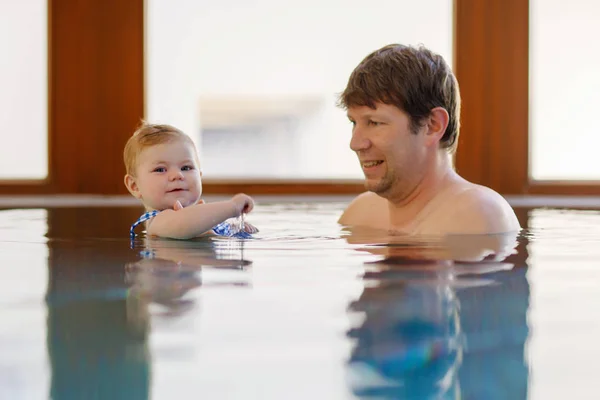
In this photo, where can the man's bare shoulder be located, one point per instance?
(484, 210)
(367, 209)
(484, 196)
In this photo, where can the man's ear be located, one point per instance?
(437, 123)
(132, 186)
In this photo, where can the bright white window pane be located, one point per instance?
(24, 93)
(255, 83)
(564, 87)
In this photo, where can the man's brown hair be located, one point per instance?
(414, 79)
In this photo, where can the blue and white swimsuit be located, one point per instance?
(222, 229)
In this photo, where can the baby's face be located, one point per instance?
(168, 172)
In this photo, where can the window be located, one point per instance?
(564, 86)
(255, 83)
(23, 98)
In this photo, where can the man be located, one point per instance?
(404, 105)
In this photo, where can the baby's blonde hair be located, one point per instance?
(148, 135)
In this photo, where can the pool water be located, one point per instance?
(305, 310)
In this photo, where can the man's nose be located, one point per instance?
(359, 141)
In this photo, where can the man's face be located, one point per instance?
(166, 173)
(392, 157)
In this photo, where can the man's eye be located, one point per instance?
(374, 123)
(187, 168)
(159, 169)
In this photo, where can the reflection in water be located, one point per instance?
(169, 269)
(427, 319)
(99, 316)
(443, 319)
(94, 351)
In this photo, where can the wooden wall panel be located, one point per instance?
(97, 90)
(491, 42)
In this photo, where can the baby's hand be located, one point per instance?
(249, 228)
(243, 203)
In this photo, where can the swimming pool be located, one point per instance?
(305, 310)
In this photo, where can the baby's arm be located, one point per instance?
(193, 221)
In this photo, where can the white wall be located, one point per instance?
(23, 89)
(275, 53)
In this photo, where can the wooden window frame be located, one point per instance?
(96, 74)
(492, 67)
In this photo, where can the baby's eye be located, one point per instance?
(159, 169)
(352, 122)
(187, 168)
